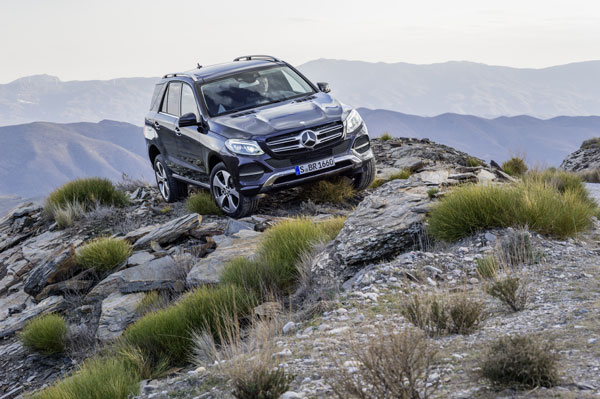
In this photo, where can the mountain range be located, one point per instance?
(35, 158)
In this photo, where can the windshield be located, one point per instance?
(251, 89)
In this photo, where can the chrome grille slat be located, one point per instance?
(325, 134)
(290, 147)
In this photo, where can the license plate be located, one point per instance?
(314, 166)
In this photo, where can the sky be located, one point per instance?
(84, 39)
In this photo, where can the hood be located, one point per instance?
(319, 109)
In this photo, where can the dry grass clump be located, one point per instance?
(512, 291)
(487, 267)
(402, 174)
(274, 270)
(515, 166)
(433, 192)
(45, 334)
(152, 302)
(473, 162)
(385, 137)
(103, 254)
(203, 203)
(521, 362)
(541, 205)
(334, 190)
(388, 366)
(438, 315)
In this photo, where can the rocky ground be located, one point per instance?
(586, 158)
(381, 249)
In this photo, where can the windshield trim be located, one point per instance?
(260, 68)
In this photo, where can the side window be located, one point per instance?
(163, 108)
(157, 90)
(173, 98)
(188, 101)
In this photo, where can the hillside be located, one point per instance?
(542, 141)
(463, 87)
(37, 157)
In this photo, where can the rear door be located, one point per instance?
(192, 144)
(167, 125)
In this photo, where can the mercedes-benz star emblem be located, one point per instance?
(308, 138)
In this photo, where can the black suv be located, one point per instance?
(248, 127)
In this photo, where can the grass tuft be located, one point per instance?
(437, 315)
(487, 267)
(473, 162)
(335, 190)
(541, 205)
(385, 137)
(203, 203)
(103, 254)
(432, 192)
(515, 166)
(274, 269)
(512, 291)
(45, 334)
(521, 362)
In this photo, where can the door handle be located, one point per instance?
(156, 125)
(177, 131)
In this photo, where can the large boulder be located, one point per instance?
(208, 270)
(384, 224)
(118, 311)
(586, 158)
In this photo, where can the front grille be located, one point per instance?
(291, 143)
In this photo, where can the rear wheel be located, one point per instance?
(364, 179)
(170, 189)
(232, 202)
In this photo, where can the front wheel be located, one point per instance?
(228, 198)
(364, 179)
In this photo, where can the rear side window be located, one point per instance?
(173, 99)
(155, 102)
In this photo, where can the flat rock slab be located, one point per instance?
(158, 274)
(15, 322)
(118, 311)
(56, 269)
(139, 258)
(208, 270)
(168, 232)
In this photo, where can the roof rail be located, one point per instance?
(188, 75)
(257, 57)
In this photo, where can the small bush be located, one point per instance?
(521, 361)
(385, 136)
(473, 162)
(335, 190)
(471, 208)
(166, 335)
(561, 181)
(377, 183)
(111, 377)
(515, 166)
(274, 268)
(487, 267)
(437, 315)
(432, 192)
(203, 203)
(261, 383)
(511, 291)
(103, 254)
(66, 215)
(88, 192)
(388, 366)
(45, 334)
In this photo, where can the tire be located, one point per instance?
(364, 179)
(228, 199)
(170, 188)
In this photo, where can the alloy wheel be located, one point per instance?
(162, 181)
(224, 191)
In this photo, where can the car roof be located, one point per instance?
(214, 71)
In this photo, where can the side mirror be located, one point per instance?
(188, 119)
(324, 87)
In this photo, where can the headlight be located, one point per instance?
(243, 147)
(353, 121)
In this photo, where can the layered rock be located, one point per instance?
(586, 158)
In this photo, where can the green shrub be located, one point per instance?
(274, 268)
(385, 137)
(335, 190)
(103, 254)
(45, 334)
(203, 203)
(538, 205)
(473, 162)
(487, 267)
(261, 383)
(152, 301)
(166, 335)
(403, 174)
(562, 181)
(88, 192)
(437, 315)
(515, 166)
(521, 361)
(432, 192)
(98, 378)
(511, 291)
